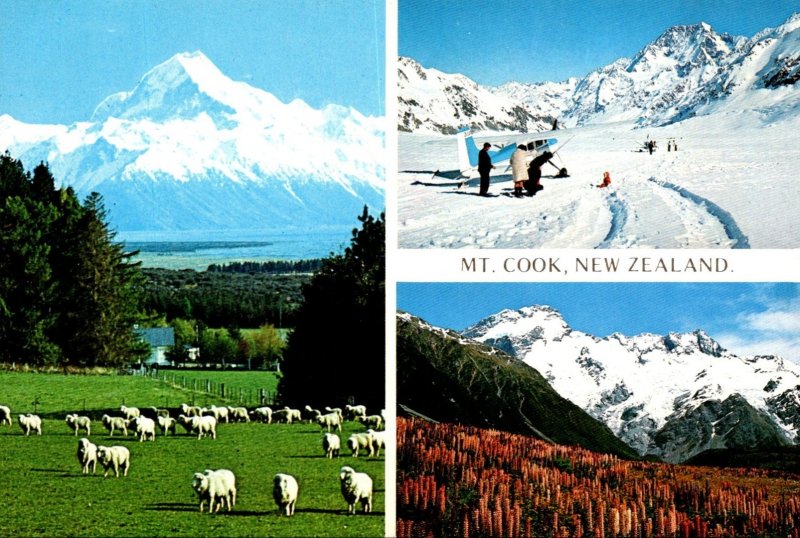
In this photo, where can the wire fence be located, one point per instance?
(208, 390)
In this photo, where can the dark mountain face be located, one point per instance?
(448, 379)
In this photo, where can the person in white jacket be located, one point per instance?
(519, 168)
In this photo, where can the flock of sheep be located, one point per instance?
(217, 488)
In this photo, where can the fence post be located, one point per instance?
(222, 390)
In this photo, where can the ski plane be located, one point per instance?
(468, 153)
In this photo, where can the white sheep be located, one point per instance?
(219, 413)
(5, 415)
(212, 486)
(87, 455)
(372, 421)
(378, 441)
(331, 444)
(293, 415)
(262, 414)
(129, 412)
(356, 487)
(79, 422)
(330, 420)
(355, 411)
(114, 457)
(239, 414)
(203, 426)
(145, 428)
(357, 441)
(115, 423)
(167, 424)
(190, 410)
(284, 491)
(30, 423)
(337, 410)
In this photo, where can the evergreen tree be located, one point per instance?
(102, 291)
(336, 352)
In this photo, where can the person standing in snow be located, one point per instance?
(533, 184)
(519, 168)
(484, 168)
(606, 181)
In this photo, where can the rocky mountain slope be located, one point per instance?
(672, 396)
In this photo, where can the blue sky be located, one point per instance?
(746, 318)
(533, 41)
(60, 59)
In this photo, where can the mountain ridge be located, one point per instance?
(648, 388)
(686, 71)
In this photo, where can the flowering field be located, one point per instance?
(464, 481)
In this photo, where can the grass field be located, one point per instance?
(45, 494)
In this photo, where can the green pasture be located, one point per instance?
(45, 494)
(56, 394)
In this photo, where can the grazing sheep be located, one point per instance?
(30, 423)
(114, 457)
(77, 423)
(239, 414)
(378, 441)
(190, 410)
(202, 426)
(87, 455)
(355, 411)
(330, 420)
(211, 486)
(372, 421)
(167, 424)
(219, 413)
(311, 414)
(356, 487)
(145, 429)
(331, 444)
(262, 414)
(5, 415)
(115, 423)
(337, 410)
(293, 415)
(129, 412)
(357, 441)
(284, 491)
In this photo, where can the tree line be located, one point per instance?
(218, 299)
(269, 267)
(68, 291)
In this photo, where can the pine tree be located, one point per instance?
(336, 352)
(102, 290)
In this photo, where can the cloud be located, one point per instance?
(773, 331)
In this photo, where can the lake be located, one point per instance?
(197, 249)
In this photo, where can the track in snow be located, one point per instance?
(740, 240)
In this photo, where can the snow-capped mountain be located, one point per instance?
(687, 71)
(190, 149)
(671, 395)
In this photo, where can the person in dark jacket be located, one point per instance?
(533, 185)
(484, 168)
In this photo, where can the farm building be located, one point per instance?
(160, 339)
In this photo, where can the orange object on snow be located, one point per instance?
(606, 180)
